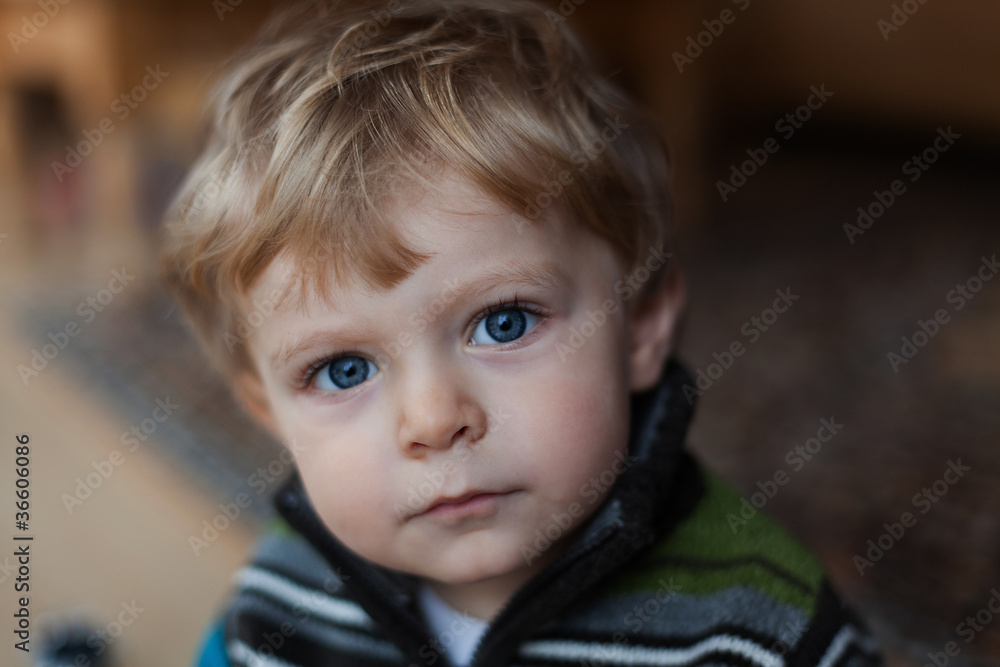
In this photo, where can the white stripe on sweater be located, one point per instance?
(847, 635)
(335, 610)
(246, 655)
(648, 655)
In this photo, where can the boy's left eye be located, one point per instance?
(503, 326)
(343, 373)
(498, 325)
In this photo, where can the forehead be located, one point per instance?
(476, 250)
(461, 230)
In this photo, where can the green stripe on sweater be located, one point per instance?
(703, 555)
(278, 526)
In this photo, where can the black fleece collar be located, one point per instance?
(660, 485)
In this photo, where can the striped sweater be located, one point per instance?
(656, 577)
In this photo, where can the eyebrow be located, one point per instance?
(542, 275)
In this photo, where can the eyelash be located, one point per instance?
(305, 377)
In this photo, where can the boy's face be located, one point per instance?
(439, 442)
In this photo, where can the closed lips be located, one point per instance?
(464, 498)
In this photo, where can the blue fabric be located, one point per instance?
(213, 648)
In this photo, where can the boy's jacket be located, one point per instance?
(666, 572)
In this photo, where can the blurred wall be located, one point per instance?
(705, 68)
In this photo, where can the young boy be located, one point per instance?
(425, 245)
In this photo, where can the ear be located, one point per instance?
(652, 328)
(251, 396)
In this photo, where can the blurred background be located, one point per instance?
(844, 153)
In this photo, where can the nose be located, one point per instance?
(437, 410)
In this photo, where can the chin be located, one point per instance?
(474, 567)
(458, 578)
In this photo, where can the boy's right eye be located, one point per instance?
(343, 372)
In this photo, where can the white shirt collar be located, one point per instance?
(456, 633)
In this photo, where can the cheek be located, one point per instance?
(342, 478)
(579, 422)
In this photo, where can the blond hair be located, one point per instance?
(319, 119)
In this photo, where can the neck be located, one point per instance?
(485, 598)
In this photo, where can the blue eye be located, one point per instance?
(346, 369)
(503, 326)
(344, 372)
